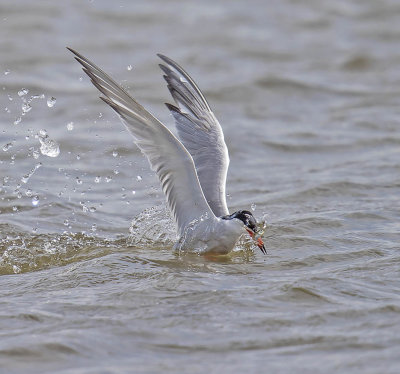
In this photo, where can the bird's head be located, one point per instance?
(250, 224)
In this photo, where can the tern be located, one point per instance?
(192, 170)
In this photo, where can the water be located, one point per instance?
(308, 96)
(51, 101)
(48, 147)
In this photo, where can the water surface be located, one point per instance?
(307, 93)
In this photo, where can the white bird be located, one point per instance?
(192, 171)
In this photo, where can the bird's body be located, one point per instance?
(210, 235)
(192, 170)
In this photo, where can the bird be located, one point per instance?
(192, 169)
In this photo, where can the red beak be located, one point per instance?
(260, 243)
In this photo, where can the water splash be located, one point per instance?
(51, 101)
(153, 226)
(25, 252)
(26, 107)
(35, 200)
(23, 92)
(48, 147)
(7, 146)
(26, 177)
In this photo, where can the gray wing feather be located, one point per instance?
(166, 154)
(200, 133)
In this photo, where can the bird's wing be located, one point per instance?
(201, 134)
(166, 154)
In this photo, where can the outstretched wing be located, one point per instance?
(201, 134)
(166, 154)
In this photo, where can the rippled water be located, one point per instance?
(308, 95)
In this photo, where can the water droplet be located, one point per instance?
(115, 154)
(10, 97)
(129, 67)
(48, 146)
(133, 192)
(14, 208)
(51, 101)
(7, 110)
(94, 227)
(26, 177)
(70, 126)
(17, 120)
(35, 200)
(80, 79)
(26, 107)
(92, 209)
(78, 157)
(41, 96)
(36, 154)
(253, 207)
(116, 172)
(28, 192)
(78, 181)
(16, 269)
(139, 178)
(97, 179)
(6, 72)
(66, 222)
(108, 179)
(7, 146)
(23, 92)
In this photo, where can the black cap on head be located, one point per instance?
(246, 217)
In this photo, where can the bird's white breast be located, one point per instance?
(214, 235)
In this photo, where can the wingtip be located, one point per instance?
(165, 59)
(72, 50)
